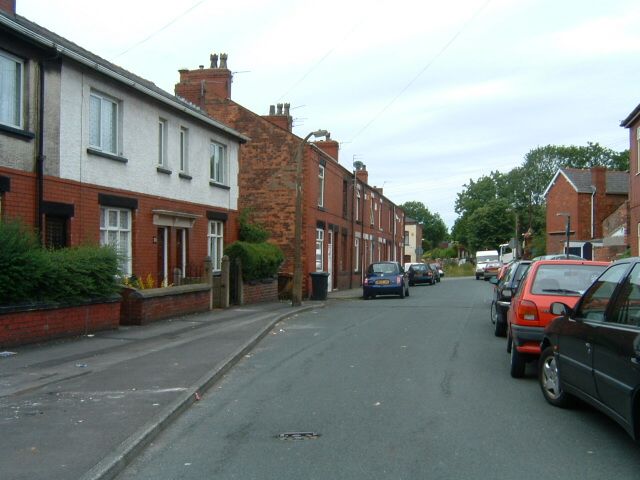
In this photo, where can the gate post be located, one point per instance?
(224, 282)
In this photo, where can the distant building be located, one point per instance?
(412, 241)
(595, 200)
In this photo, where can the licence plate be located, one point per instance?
(382, 282)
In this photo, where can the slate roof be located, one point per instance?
(49, 39)
(616, 182)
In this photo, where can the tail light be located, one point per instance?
(399, 280)
(528, 311)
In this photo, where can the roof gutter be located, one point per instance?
(118, 77)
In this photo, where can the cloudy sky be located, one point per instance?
(428, 94)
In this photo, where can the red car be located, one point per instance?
(547, 281)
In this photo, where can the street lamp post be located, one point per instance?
(568, 215)
(296, 294)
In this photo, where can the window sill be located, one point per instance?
(110, 156)
(164, 170)
(185, 176)
(219, 185)
(16, 132)
(321, 208)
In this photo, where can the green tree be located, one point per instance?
(490, 225)
(434, 230)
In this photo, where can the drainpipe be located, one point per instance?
(593, 193)
(40, 157)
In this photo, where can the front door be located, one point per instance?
(163, 255)
(330, 260)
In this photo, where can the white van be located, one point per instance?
(485, 258)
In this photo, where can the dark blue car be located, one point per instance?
(385, 278)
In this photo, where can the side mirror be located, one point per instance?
(493, 280)
(560, 309)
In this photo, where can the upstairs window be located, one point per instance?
(103, 123)
(218, 163)
(320, 186)
(184, 149)
(11, 91)
(162, 143)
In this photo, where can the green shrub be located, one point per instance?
(251, 232)
(259, 260)
(29, 272)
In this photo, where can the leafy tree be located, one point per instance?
(434, 230)
(490, 225)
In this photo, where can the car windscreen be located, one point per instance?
(487, 258)
(565, 279)
(387, 268)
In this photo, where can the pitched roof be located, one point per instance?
(48, 39)
(580, 179)
(631, 118)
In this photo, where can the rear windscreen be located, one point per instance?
(565, 279)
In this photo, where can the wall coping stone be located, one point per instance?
(169, 291)
(33, 306)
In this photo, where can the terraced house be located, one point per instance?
(346, 223)
(90, 152)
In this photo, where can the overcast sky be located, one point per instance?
(427, 94)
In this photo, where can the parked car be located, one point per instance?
(506, 284)
(438, 269)
(421, 273)
(546, 281)
(385, 278)
(483, 259)
(592, 351)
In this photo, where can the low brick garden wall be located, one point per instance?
(258, 292)
(140, 307)
(21, 325)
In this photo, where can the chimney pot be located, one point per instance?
(201, 67)
(223, 60)
(272, 109)
(214, 60)
(286, 109)
(279, 109)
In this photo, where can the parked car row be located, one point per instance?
(580, 321)
(391, 278)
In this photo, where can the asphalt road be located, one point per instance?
(387, 389)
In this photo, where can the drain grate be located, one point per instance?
(298, 436)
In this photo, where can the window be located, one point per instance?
(103, 123)
(406, 237)
(10, 91)
(380, 216)
(184, 149)
(319, 249)
(162, 143)
(182, 254)
(626, 309)
(115, 230)
(371, 218)
(55, 229)
(638, 149)
(356, 253)
(216, 238)
(597, 297)
(320, 186)
(218, 163)
(345, 196)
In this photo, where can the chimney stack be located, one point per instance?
(205, 84)
(8, 6)
(279, 116)
(330, 147)
(362, 174)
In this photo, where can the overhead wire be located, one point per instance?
(424, 69)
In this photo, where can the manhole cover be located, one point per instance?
(298, 436)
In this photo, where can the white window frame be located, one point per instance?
(320, 185)
(215, 241)
(162, 142)
(380, 217)
(184, 149)
(319, 249)
(356, 244)
(371, 217)
(11, 89)
(218, 163)
(104, 139)
(118, 234)
(638, 150)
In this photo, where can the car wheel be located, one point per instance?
(402, 292)
(477, 277)
(549, 379)
(518, 363)
(500, 326)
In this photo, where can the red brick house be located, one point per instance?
(595, 201)
(346, 222)
(632, 122)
